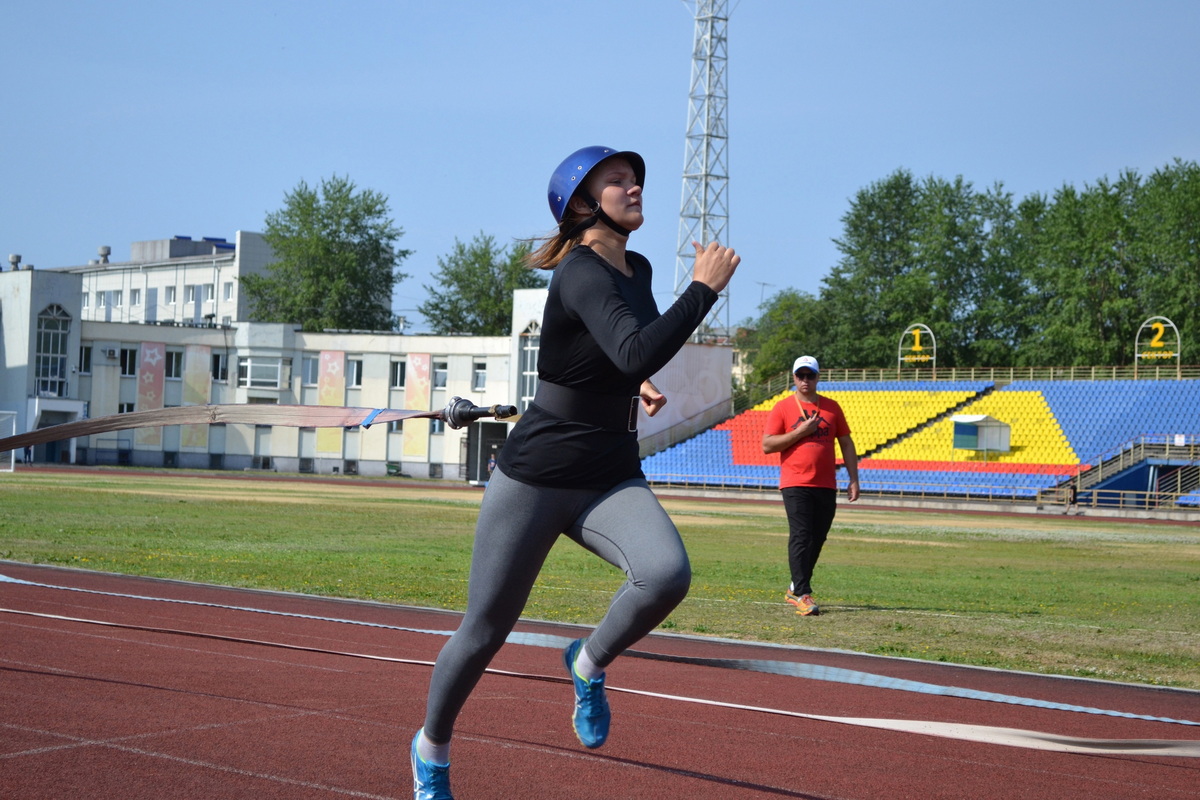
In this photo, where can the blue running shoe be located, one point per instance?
(430, 781)
(591, 706)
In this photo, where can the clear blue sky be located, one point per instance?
(128, 121)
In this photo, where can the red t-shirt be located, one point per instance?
(811, 461)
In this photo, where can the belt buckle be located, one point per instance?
(633, 413)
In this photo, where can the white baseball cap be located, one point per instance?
(806, 361)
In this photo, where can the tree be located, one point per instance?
(475, 287)
(999, 320)
(969, 271)
(336, 260)
(1169, 219)
(942, 286)
(873, 293)
(1062, 280)
(792, 324)
(1086, 274)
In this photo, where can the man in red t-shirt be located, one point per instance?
(802, 429)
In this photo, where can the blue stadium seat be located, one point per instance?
(1096, 417)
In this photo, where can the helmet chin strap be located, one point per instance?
(598, 215)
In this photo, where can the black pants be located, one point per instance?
(810, 514)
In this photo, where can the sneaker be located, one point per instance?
(430, 781)
(804, 604)
(591, 706)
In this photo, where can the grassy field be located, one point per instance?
(1070, 596)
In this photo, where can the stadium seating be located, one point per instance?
(1098, 416)
(904, 435)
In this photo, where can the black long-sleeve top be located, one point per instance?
(601, 333)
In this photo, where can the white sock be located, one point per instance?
(585, 667)
(432, 753)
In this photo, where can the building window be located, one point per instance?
(354, 372)
(170, 295)
(531, 340)
(396, 426)
(85, 359)
(259, 373)
(440, 370)
(210, 292)
(129, 362)
(228, 290)
(118, 298)
(135, 297)
(310, 370)
(100, 298)
(125, 408)
(437, 427)
(189, 293)
(87, 299)
(220, 367)
(398, 370)
(174, 366)
(479, 380)
(50, 367)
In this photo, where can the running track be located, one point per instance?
(212, 698)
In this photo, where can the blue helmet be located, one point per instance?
(575, 167)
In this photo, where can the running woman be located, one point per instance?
(570, 466)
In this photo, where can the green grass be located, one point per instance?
(1071, 596)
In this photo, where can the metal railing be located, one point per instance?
(1181, 447)
(1184, 480)
(1001, 495)
(1005, 375)
(749, 396)
(1122, 500)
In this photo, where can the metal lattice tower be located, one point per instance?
(703, 212)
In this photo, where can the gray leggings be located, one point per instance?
(518, 524)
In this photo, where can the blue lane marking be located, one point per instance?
(792, 669)
(819, 672)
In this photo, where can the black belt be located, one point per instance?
(601, 410)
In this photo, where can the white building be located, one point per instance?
(180, 281)
(169, 328)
